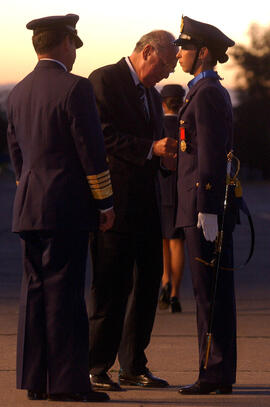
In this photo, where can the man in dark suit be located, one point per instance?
(64, 191)
(205, 139)
(131, 116)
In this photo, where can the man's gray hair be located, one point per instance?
(158, 39)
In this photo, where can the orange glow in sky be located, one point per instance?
(110, 29)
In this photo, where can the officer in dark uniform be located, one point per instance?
(173, 238)
(64, 191)
(205, 139)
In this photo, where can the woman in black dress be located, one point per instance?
(173, 239)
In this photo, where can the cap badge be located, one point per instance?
(182, 24)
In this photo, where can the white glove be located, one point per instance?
(209, 224)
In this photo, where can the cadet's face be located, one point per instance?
(186, 57)
(158, 66)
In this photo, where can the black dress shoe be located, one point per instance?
(175, 305)
(145, 379)
(206, 388)
(80, 397)
(164, 297)
(104, 382)
(36, 395)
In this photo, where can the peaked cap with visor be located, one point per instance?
(204, 35)
(65, 23)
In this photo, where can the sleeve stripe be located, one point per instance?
(99, 181)
(102, 193)
(98, 176)
(96, 180)
(100, 185)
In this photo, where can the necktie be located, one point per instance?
(142, 96)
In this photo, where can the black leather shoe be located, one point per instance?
(104, 382)
(164, 297)
(206, 388)
(80, 397)
(175, 305)
(36, 395)
(145, 379)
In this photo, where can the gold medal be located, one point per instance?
(183, 145)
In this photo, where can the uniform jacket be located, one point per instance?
(168, 182)
(128, 138)
(57, 150)
(206, 117)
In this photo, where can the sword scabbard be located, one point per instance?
(207, 353)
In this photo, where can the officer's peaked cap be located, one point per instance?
(172, 90)
(202, 34)
(65, 23)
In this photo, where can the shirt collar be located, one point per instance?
(132, 71)
(205, 74)
(55, 60)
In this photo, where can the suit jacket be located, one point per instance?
(128, 139)
(57, 149)
(206, 119)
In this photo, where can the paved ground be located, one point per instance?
(172, 353)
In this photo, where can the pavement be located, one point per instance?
(172, 353)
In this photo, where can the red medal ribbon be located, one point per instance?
(182, 133)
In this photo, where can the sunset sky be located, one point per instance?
(110, 29)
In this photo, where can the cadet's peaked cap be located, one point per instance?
(65, 23)
(202, 34)
(172, 90)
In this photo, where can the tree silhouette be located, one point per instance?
(252, 115)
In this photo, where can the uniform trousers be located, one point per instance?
(222, 360)
(124, 298)
(53, 338)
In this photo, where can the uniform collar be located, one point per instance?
(205, 74)
(55, 60)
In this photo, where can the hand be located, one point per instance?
(209, 224)
(166, 147)
(106, 220)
